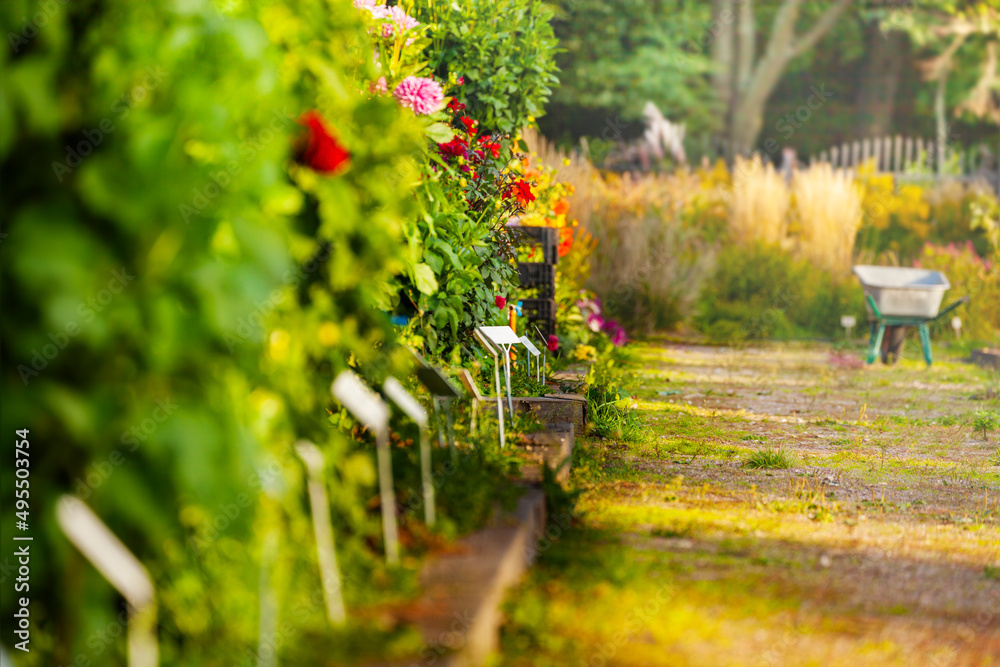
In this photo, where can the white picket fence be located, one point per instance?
(915, 158)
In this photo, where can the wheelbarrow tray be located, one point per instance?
(903, 292)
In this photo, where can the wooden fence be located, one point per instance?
(916, 159)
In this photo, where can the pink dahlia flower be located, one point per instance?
(379, 12)
(423, 95)
(401, 21)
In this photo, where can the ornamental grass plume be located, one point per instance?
(828, 212)
(760, 202)
(424, 96)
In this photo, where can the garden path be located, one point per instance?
(879, 545)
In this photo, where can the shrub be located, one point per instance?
(970, 276)
(504, 50)
(648, 265)
(985, 421)
(761, 291)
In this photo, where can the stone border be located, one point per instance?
(552, 447)
(463, 590)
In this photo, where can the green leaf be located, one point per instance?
(423, 278)
(439, 133)
(433, 260)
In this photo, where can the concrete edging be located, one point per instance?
(463, 590)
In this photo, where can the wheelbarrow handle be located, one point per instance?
(952, 307)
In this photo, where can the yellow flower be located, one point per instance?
(329, 334)
(278, 348)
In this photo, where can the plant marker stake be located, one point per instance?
(478, 335)
(267, 627)
(504, 338)
(446, 402)
(394, 389)
(267, 624)
(545, 348)
(437, 421)
(470, 385)
(372, 411)
(532, 352)
(323, 528)
(117, 564)
(442, 389)
(848, 322)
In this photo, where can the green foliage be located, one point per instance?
(504, 50)
(461, 247)
(617, 56)
(468, 486)
(157, 239)
(762, 292)
(611, 416)
(972, 277)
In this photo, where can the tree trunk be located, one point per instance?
(885, 54)
(755, 78)
(724, 55)
(941, 120)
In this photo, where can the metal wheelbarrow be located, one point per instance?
(898, 297)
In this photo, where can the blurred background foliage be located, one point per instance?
(178, 295)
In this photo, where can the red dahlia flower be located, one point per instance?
(492, 146)
(553, 343)
(457, 147)
(522, 190)
(323, 152)
(500, 302)
(470, 124)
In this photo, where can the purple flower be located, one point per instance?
(423, 95)
(618, 338)
(615, 332)
(595, 322)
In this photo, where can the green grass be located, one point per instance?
(611, 416)
(771, 457)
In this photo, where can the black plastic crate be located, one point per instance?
(546, 237)
(541, 312)
(536, 275)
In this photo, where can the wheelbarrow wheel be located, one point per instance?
(892, 344)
